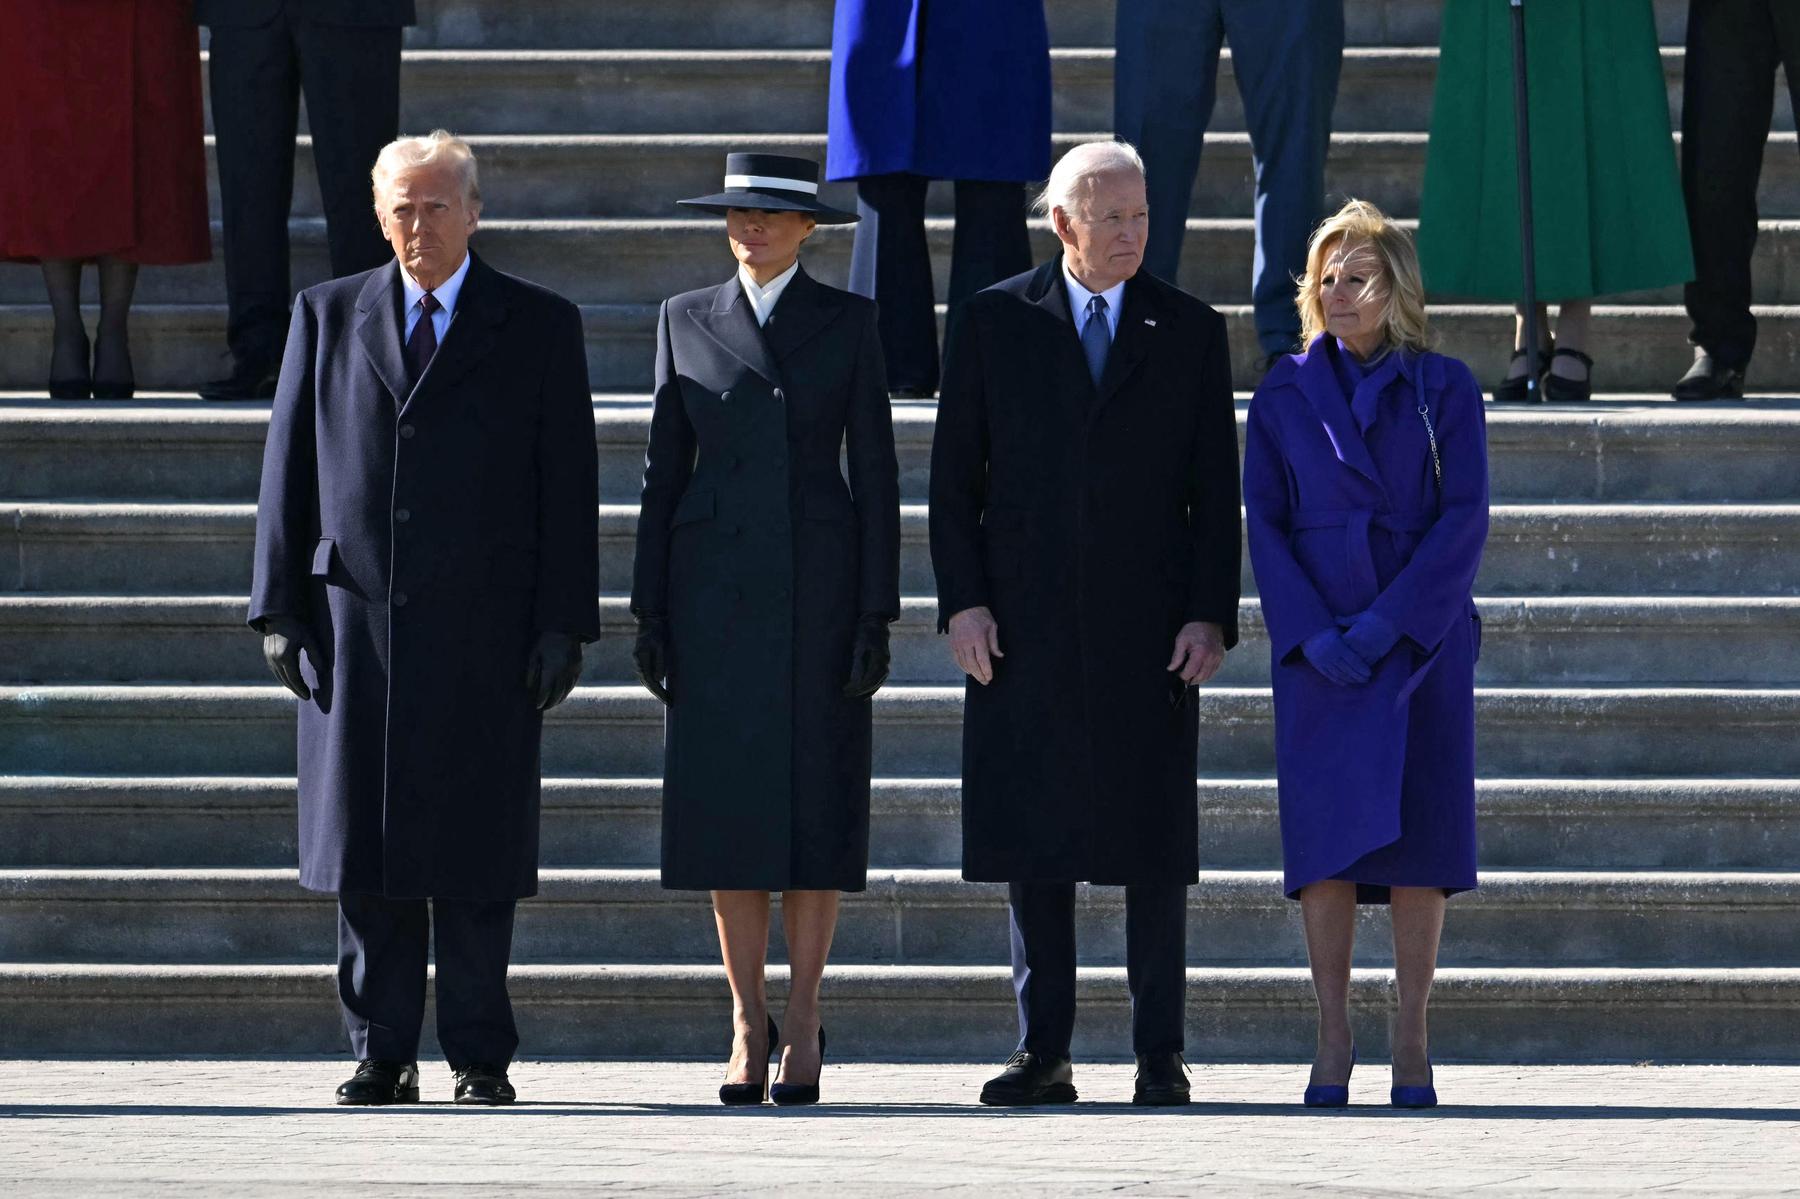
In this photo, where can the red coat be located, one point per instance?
(102, 137)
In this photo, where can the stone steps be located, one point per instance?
(1535, 640)
(1638, 348)
(910, 917)
(1560, 823)
(618, 731)
(1555, 549)
(951, 1013)
(629, 261)
(1633, 448)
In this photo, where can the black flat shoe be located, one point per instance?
(247, 381)
(1162, 1080)
(748, 1094)
(71, 389)
(1030, 1080)
(1709, 379)
(1558, 390)
(484, 1086)
(1515, 390)
(114, 390)
(378, 1083)
(795, 1094)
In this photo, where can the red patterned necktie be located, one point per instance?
(423, 342)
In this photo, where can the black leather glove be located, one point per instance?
(651, 654)
(553, 669)
(869, 659)
(283, 639)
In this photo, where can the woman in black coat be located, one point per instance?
(763, 589)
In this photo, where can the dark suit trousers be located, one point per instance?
(1286, 57)
(382, 946)
(890, 261)
(351, 79)
(1043, 963)
(1728, 98)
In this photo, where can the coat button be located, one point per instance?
(780, 396)
(399, 599)
(725, 396)
(402, 515)
(406, 432)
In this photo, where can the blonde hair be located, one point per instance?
(1359, 223)
(1072, 177)
(440, 145)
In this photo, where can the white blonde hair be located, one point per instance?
(440, 145)
(1072, 178)
(1356, 225)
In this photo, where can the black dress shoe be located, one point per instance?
(1708, 379)
(912, 393)
(1029, 1080)
(247, 381)
(1161, 1080)
(484, 1086)
(378, 1083)
(794, 1094)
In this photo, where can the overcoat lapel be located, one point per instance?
(1319, 384)
(731, 322)
(470, 335)
(805, 308)
(1136, 334)
(378, 329)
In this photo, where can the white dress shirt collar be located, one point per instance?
(1079, 296)
(764, 298)
(445, 293)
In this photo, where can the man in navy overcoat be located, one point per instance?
(1085, 535)
(427, 535)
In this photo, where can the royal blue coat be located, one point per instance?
(949, 89)
(1377, 781)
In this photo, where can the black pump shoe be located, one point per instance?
(379, 1083)
(747, 1094)
(1516, 390)
(1558, 390)
(795, 1094)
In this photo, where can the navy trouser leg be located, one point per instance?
(1287, 58)
(991, 239)
(1165, 78)
(890, 262)
(382, 949)
(1043, 965)
(1156, 965)
(474, 1012)
(351, 77)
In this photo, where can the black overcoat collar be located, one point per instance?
(805, 308)
(1142, 319)
(480, 308)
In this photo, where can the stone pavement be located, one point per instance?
(88, 1127)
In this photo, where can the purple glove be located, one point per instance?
(1371, 637)
(1333, 658)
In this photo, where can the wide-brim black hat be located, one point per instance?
(773, 182)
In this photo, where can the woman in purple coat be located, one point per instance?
(1366, 492)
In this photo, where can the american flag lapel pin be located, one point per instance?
(1150, 322)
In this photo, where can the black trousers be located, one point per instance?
(382, 946)
(1728, 98)
(1043, 964)
(351, 78)
(890, 261)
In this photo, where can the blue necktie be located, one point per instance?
(1096, 338)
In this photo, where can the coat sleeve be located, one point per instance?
(568, 582)
(959, 463)
(874, 479)
(1432, 590)
(668, 464)
(1291, 606)
(1213, 521)
(287, 527)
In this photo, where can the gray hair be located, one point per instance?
(1071, 179)
(437, 146)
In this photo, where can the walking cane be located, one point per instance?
(1522, 126)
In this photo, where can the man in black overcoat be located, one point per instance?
(1085, 535)
(344, 55)
(427, 535)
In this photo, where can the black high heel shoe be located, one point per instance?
(748, 1094)
(1558, 390)
(795, 1095)
(113, 389)
(75, 387)
(1515, 390)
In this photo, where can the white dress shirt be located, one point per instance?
(1079, 296)
(763, 299)
(444, 293)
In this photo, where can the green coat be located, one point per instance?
(1607, 206)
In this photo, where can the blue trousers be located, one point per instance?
(1286, 56)
(1043, 965)
(382, 950)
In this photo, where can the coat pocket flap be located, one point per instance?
(321, 559)
(695, 505)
